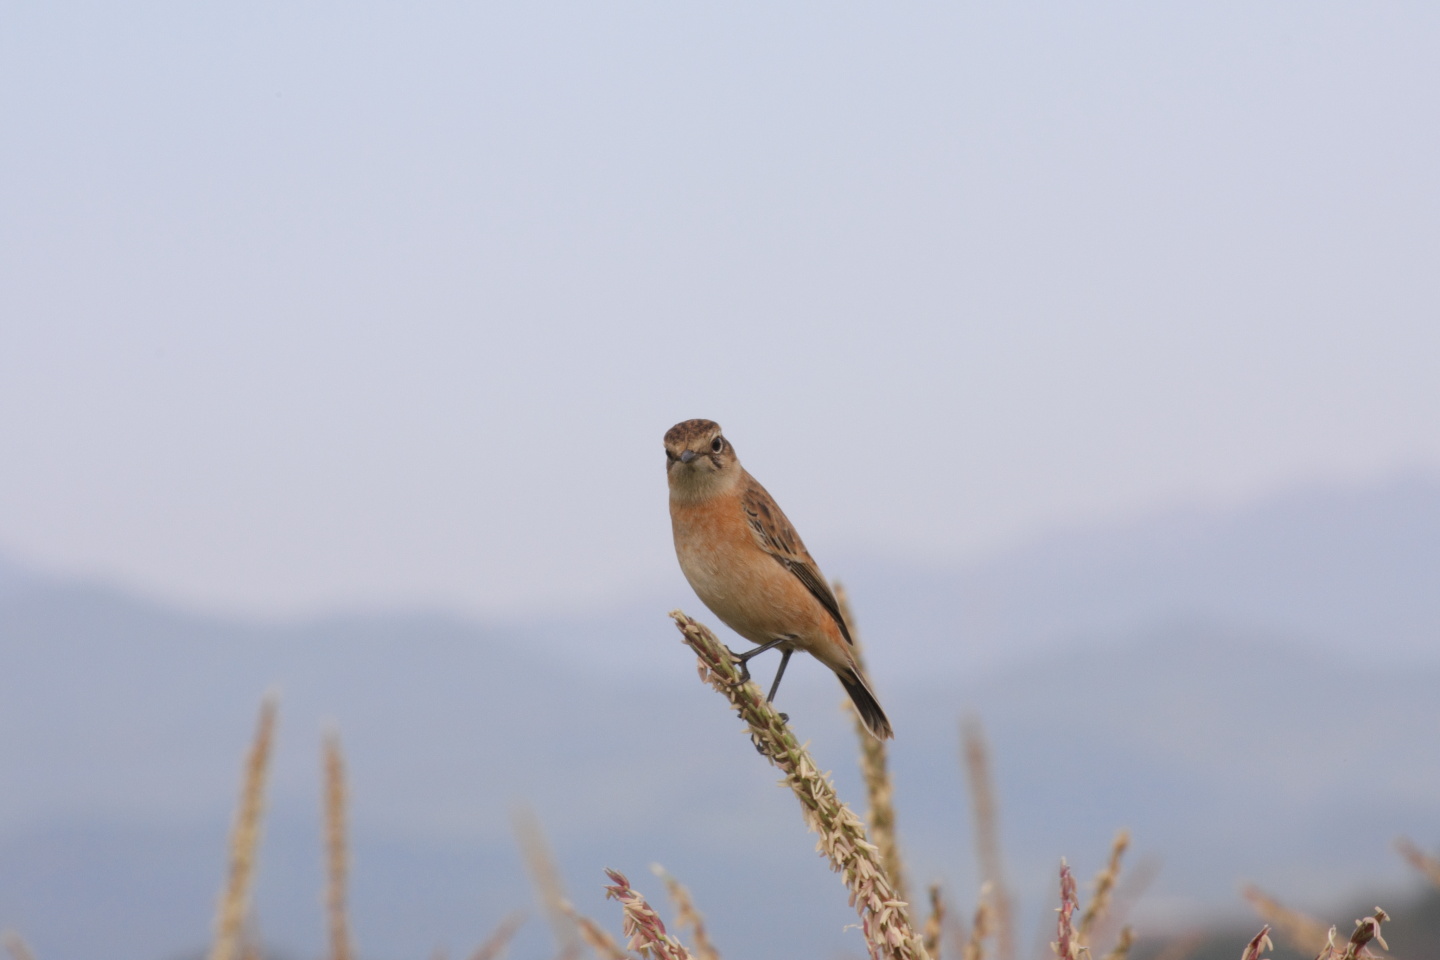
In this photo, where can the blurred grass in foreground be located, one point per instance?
(866, 854)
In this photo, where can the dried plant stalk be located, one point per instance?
(875, 768)
(987, 835)
(935, 923)
(884, 917)
(337, 850)
(686, 916)
(245, 839)
(1419, 859)
(1356, 948)
(1104, 887)
(595, 935)
(548, 886)
(643, 927)
(1121, 950)
(17, 947)
(983, 925)
(1258, 945)
(1128, 890)
(496, 943)
(1300, 930)
(1067, 944)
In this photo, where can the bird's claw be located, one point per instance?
(744, 663)
(759, 745)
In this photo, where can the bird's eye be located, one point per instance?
(670, 454)
(717, 444)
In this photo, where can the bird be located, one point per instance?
(746, 563)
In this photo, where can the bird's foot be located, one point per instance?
(744, 663)
(759, 746)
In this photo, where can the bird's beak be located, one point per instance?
(687, 456)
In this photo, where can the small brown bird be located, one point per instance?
(748, 565)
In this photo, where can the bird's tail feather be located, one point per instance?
(865, 704)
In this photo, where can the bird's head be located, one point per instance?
(698, 458)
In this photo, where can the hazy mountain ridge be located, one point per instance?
(1342, 567)
(1232, 751)
(1337, 567)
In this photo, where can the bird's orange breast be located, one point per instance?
(746, 587)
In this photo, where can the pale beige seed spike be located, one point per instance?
(885, 919)
(1104, 887)
(1121, 950)
(934, 924)
(1419, 859)
(595, 935)
(16, 946)
(643, 927)
(337, 850)
(987, 835)
(686, 916)
(545, 874)
(245, 839)
(982, 927)
(875, 769)
(496, 943)
(1299, 930)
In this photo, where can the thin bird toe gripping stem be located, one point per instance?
(744, 658)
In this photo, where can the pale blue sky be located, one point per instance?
(320, 305)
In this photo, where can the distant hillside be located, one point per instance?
(1234, 743)
(1345, 569)
(1342, 569)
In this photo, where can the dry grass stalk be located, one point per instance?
(337, 850)
(17, 947)
(1356, 948)
(1104, 887)
(643, 927)
(1300, 930)
(686, 916)
(884, 917)
(245, 840)
(875, 768)
(1128, 891)
(496, 943)
(983, 925)
(935, 923)
(1121, 950)
(1258, 945)
(987, 835)
(1419, 859)
(595, 935)
(545, 874)
(1067, 944)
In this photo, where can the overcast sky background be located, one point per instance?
(311, 306)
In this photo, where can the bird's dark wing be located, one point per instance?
(778, 538)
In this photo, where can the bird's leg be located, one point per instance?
(784, 659)
(744, 658)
